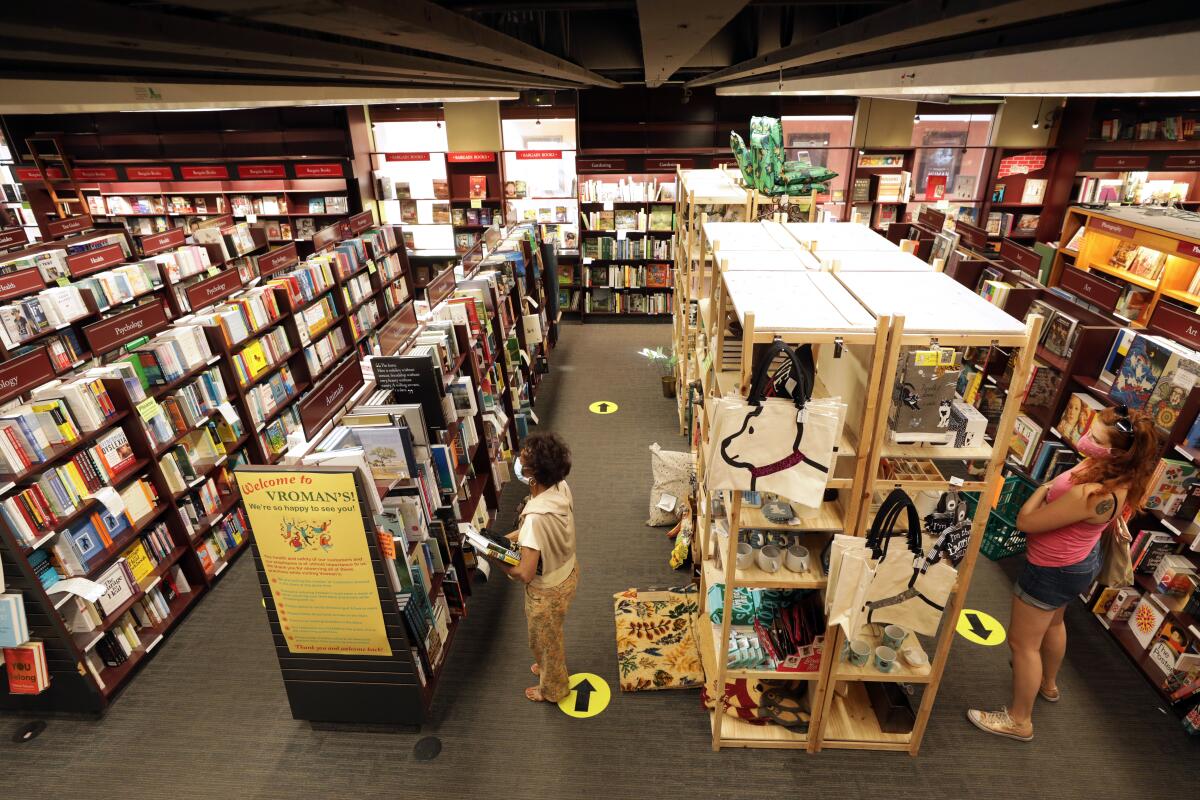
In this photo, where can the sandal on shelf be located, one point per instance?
(783, 708)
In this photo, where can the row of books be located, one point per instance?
(242, 316)
(122, 284)
(231, 241)
(1004, 224)
(29, 317)
(14, 627)
(609, 302)
(260, 355)
(605, 247)
(1171, 128)
(263, 399)
(1033, 192)
(628, 276)
(223, 538)
(325, 351)
(316, 319)
(306, 282)
(274, 437)
(461, 217)
(357, 289)
(660, 218)
(58, 413)
(170, 355)
(189, 406)
(626, 191)
(363, 320)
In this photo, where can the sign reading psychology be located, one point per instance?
(309, 533)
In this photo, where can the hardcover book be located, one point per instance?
(1140, 371)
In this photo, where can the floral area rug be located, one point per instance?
(656, 640)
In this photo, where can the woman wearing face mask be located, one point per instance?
(1063, 522)
(546, 535)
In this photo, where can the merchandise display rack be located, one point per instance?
(897, 306)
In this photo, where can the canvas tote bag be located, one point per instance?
(851, 573)
(1117, 567)
(775, 445)
(906, 590)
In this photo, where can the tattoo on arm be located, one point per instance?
(1104, 507)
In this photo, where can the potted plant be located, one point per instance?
(665, 362)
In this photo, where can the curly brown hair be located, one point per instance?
(1133, 461)
(546, 458)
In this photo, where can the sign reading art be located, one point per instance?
(309, 532)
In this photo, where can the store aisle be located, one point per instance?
(219, 668)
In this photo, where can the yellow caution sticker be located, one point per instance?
(980, 628)
(603, 407)
(589, 696)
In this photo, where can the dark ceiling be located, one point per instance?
(534, 43)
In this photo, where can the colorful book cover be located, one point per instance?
(1140, 371)
(1171, 392)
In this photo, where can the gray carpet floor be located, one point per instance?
(208, 717)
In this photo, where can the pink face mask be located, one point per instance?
(1090, 448)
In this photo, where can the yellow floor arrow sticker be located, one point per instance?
(603, 407)
(589, 696)
(980, 628)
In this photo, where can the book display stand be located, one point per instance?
(857, 321)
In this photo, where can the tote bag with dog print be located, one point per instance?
(774, 445)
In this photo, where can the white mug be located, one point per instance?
(796, 558)
(745, 555)
(768, 558)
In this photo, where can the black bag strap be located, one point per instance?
(885, 522)
(802, 365)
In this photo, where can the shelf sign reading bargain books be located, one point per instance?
(163, 173)
(25, 373)
(306, 170)
(539, 155)
(207, 172)
(322, 404)
(153, 245)
(214, 289)
(96, 173)
(470, 157)
(260, 171)
(109, 334)
(13, 237)
(90, 261)
(280, 258)
(407, 157)
(311, 539)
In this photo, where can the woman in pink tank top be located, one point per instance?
(1063, 522)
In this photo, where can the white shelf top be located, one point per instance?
(711, 186)
(768, 261)
(825, 236)
(796, 301)
(875, 261)
(742, 236)
(931, 302)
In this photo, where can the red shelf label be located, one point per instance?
(149, 173)
(600, 165)
(440, 287)
(91, 261)
(397, 330)
(25, 373)
(1176, 322)
(1099, 291)
(211, 172)
(152, 245)
(1189, 249)
(111, 333)
(214, 289)
(327, 236)
(539, 155)
(468, 157)
(96, 173)
(321, 404)
(21, 282)
(277, 259)
(12, 237)
(728, 161)
(61, 227)
(318, 170)
(361, 222)
(28, 173)
(668, 164)
(407, 157)
(253, 171)
(971, 235)
(1184, 162)
(1121, 162)
(1023, 258)
(1114, 228)
(931, 219)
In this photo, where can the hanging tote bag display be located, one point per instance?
(775, 445)
(851, 572)
(907, 590)
(1117, 566)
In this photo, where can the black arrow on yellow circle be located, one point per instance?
(583, 695)
(604, 408)
(977, 627)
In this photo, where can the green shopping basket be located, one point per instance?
(1001, 538)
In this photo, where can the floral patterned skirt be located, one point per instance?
(656, 640)
(545, 611)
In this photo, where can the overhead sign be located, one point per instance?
(407, 157)
(306, 170)
(260, 171)
(163, 173)
(207, 172)
(473, 157)
(539, 155)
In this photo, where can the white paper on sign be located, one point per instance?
(111, 499)
(88, 590)
(532, 303)
(228, 413)
(667, 502)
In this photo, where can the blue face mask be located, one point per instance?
(518, 471)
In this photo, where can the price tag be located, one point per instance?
(252, 218)
(955, 480)
(621, 235)
(371, 267)
(212, 271)
(62, 280)
(228, 413)
(148, 408)
(476, 203)
(608, 205)
(587, 260)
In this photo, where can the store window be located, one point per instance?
(540, 183)
(953, 147)
(822, 141)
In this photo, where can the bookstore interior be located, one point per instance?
(259, 310)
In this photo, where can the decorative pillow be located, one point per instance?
(656, 639)
(672, 476)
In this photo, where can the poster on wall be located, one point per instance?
(309, 532)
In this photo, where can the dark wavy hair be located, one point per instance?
(1133, 461)
(546, 458)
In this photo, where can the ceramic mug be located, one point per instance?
(858, 652)
(894, 636)
(796, 558)
(885, 658)
(769, 558)
(745, 555)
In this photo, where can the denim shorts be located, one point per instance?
(1051, 588)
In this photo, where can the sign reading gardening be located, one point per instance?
(308, 529)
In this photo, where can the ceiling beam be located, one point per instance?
(1156, 63)
(905, 24)
(673, 31)
(88, 23)
(416, 24)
